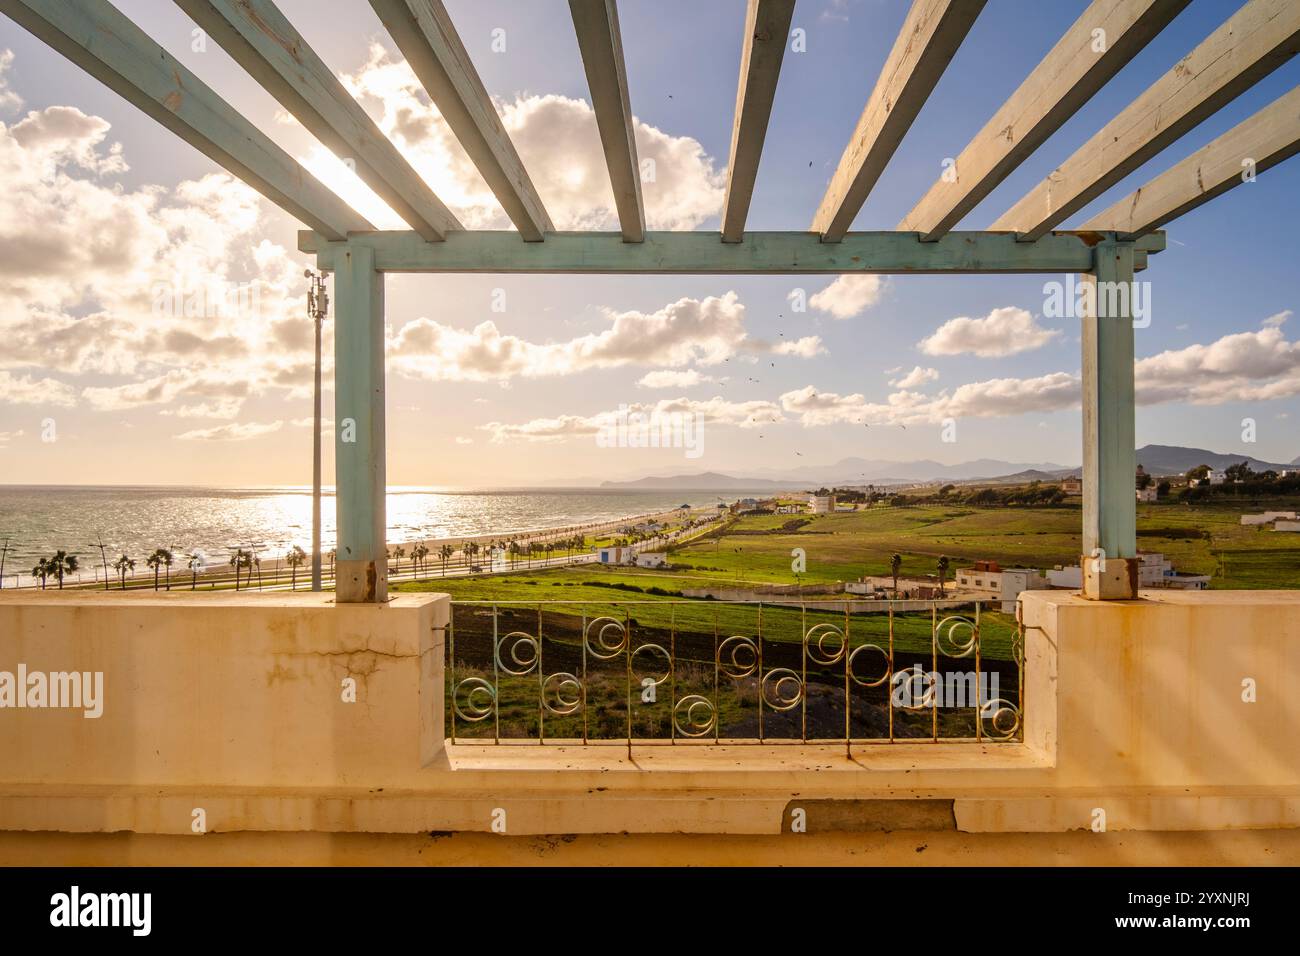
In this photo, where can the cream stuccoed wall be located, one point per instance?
(234, 704)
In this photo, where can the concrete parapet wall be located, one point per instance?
(235, 704)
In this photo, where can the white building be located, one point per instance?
(1015, 580)
(821, 504)
(1147, 494)
(615, 554)
(1267, 517)
(1286, 525)
(1217, 477)
(1070, 577)
(651, 559)
(1153, 572)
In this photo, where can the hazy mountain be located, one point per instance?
(1157, 459)
(1174, 459)
(875, 470)
(708, 480)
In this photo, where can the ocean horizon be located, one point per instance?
(135, 519)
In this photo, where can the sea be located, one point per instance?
(36, 521)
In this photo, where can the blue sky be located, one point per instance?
(128, 413)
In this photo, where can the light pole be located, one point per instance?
(318, 304)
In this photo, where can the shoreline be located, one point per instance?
(276, 568)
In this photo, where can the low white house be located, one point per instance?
(651, 559)
(1147, 494)
(1286, 525)
(615, 554)
(1267, 517)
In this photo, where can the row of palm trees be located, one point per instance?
(896, 565)
(512, 548)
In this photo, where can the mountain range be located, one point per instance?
(1156, 459)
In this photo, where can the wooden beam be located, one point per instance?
(423, 31)
(931, 34)
(601, 45)
(261, 40)
(1109, 458)
(1269, 137)
(767, 28)
(361, 561)
(1067, 78)
(702, 253)
(95, 36)
(1252, 43)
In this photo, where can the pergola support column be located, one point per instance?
(361, 564)
(1109, 561)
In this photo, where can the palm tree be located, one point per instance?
(943, 571)
(62, 563)
(239, 560)
(123, 565)
(514, 550)
(295, 559)
(445, 552)
(168, 557)
(471, 551)
(895, 565)
(399, 552)
(155, 561)
(418, 554)
(195, 563)
(42, 571)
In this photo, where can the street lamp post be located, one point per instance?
(318, 303)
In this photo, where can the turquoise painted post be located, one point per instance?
(361, 565)
(1109, 459)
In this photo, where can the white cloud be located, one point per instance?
(9, 100)
(667, 378)
(689, 331)
(1244, 366)
(917, 377)
(1005, 331)
(994, 398)
(1277, 320)
(558, 141)
(28, 390)
(235, 431)
(849, 295)
(716, 411)
(134, 285)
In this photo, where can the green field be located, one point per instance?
(1202, 538)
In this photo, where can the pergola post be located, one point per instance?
(361, 564)
(1109, 460)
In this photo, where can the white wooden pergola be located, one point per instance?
(1109, 248)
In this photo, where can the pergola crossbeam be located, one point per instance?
(1252, 43)
(262, 40)
(1269, 137)
(1079, 65)
(702, 253)
(97, 37)
(601, 45)
(931, 34)
(423, 31)
(767, 24)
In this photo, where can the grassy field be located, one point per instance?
(1204, 538)
(1198, 539)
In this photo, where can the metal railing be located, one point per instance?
(839, 672)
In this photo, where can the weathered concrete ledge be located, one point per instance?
(284, 714)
